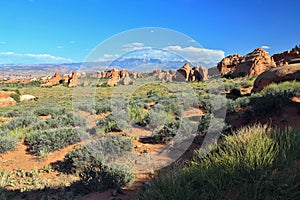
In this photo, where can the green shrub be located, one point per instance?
(86, 106)
(103, 150)
(20, 122)
(137, 114)
(166, 133)
(16, 97)
(68, 120)
(44, 111)
(108, 124)
(102, 177)
(7, 143)
(53, 139)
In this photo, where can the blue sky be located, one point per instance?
(40, 31)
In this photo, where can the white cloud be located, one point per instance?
(196, 54)
(108, 57)
(18, 58)
(59, 47)
(265, 47)
(1, 42)
(135, 46)
(192, 41)
(72, 42)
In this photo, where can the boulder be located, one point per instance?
(27, 97)
(276, 75)
(6, 99)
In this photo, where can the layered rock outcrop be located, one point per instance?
(73, 80)
(55, 80)
(251, 64)
(187, 73)
(286, 57)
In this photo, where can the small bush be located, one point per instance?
(102, 177)
(20, 122)
(166, 133)
(44, 111)
(68, 120)
(16, 97)
(53, 139)
(7, 143)
(103, 150)
(108, 124)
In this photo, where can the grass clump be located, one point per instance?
(255, 163)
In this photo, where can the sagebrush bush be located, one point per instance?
(7, 143)
(108, 124)
(166, 133)
(68, 120)
(44, 111)
(53, 139)
(101, 177)
(20, 122)
(102, 150)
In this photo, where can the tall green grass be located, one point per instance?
(254, 163)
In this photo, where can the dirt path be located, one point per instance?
(21, 159)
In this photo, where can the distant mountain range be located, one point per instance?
(133, 64)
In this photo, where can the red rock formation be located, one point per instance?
(123, 73)
(199, 74)
(114, 77)
(251, 64)
(66, 78)
(55, 80)
(286, 57)
(229, 64)
(277, 75)
(126, 80)
(73, 81)
(183, 74)
(25, 81)
(254, 64)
